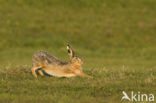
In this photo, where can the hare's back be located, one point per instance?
(44, 58)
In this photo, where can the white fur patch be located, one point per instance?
(67, 47)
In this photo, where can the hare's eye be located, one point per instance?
(79, 59)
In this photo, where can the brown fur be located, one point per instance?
(42, 60)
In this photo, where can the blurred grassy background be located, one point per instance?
(107, 34)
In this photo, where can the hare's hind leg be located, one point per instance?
(40, 72)
(34, 70)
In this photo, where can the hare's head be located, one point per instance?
(74, 59)
(76, 62)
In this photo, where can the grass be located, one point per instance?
(115, 39)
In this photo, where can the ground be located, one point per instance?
(115, 39)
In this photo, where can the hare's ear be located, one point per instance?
(70, 51)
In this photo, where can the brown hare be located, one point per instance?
(44, 62)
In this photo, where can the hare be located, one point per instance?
(43, 62)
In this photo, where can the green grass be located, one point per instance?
(115, 39)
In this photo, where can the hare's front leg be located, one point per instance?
(84, 75)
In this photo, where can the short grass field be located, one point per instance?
(116, 39)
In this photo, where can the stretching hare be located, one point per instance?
(44, 62)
